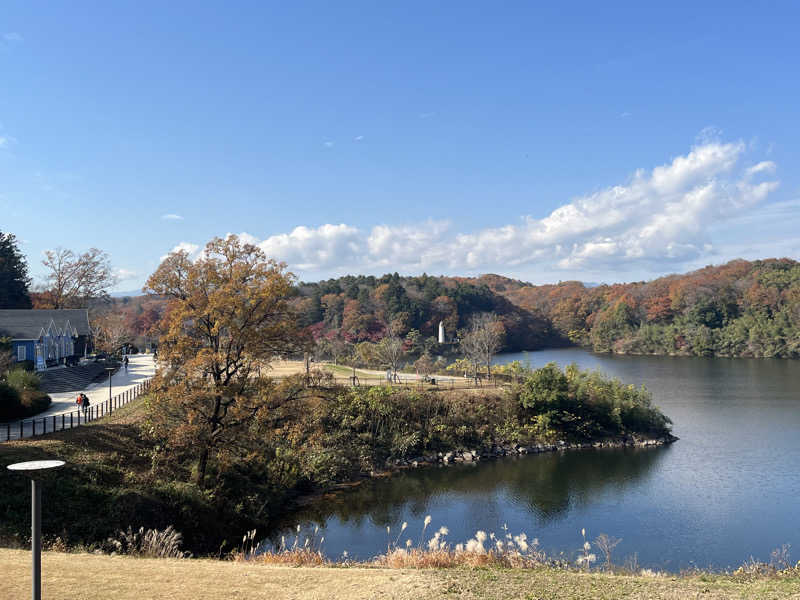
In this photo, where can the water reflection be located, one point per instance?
(547, 485)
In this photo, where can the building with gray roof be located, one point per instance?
(46, 337)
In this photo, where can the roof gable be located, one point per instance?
(22, 324)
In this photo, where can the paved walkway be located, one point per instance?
(140, 369)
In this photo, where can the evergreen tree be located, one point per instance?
(14, 280)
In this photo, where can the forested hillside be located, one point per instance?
(741, 308)
(366, 308)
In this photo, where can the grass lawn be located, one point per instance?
(345, 371)
(90, 577)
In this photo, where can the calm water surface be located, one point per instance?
(728, 490)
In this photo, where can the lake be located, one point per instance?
(727, 490)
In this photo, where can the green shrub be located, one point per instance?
(34, 402)
(15, 404)
(586, 405)
(22, 380)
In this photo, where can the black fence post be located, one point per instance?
(62, 421)
(20, 429)
(8, 431)
(34, 428)
(54, 422)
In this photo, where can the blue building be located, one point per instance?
(46, 337)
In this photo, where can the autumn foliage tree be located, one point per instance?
(228, 314)
(74, 279)
(390, 352)
(483, 340)
(111, 331)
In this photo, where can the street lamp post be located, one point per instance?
(110, 373)
(33, 468)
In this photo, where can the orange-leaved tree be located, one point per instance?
(228, 315)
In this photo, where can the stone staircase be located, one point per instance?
(72, 379)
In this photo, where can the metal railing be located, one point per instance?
(27, 428)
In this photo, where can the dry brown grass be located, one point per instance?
(282, 368)
(96, 577)
(436, 559)
(289, 558)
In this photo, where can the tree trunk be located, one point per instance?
(200, 478)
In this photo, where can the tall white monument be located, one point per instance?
(441, 332)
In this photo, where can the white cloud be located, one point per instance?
(171, 217)
(246, 238)
(12, 36)
(124, 274)
(328, 144)
(358, 138)
(657, 220)
(193, 250)
(311, 249)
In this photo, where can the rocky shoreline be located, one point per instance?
(498, 451)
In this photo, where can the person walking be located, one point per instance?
(125, 362)
(84, 405)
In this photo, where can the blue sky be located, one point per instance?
(576, 141)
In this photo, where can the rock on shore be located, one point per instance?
(470, 455)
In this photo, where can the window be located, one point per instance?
(21, 355)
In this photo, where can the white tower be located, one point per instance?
(441, 332)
